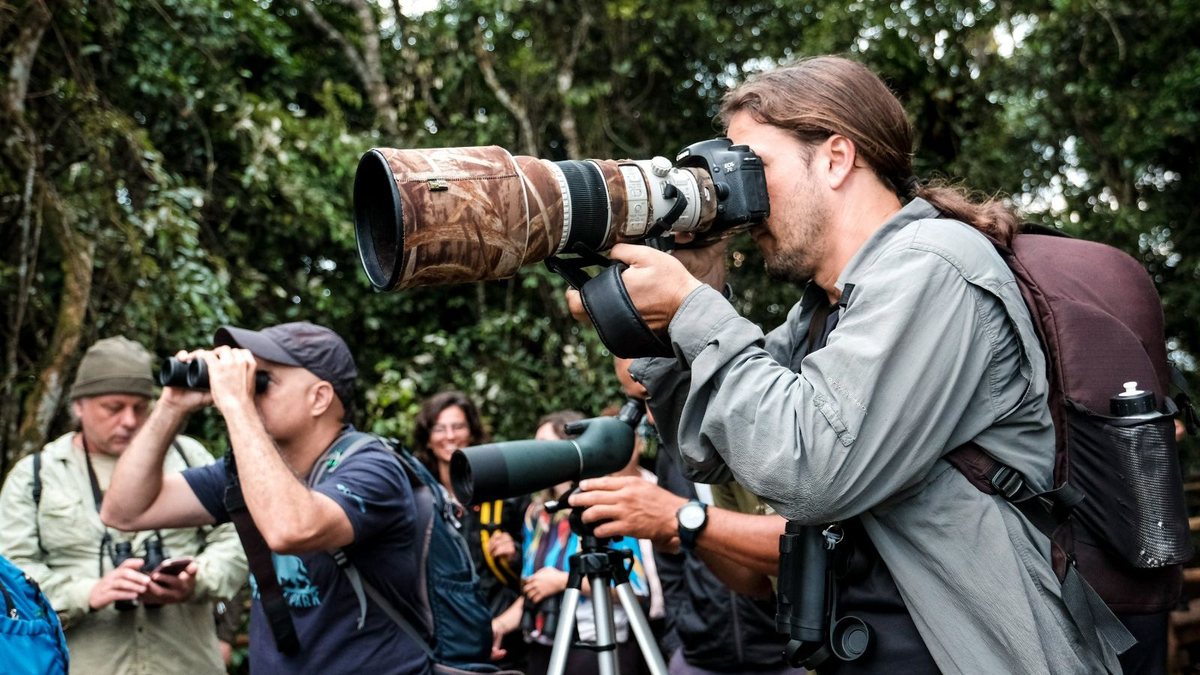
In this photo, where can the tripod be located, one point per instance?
(600, 564)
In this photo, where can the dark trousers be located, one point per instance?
(1149, 655)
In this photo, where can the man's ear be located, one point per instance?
(839, 154)
(320, 398)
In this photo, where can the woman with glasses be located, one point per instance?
(493, 530)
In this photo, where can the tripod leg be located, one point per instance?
(606, 632)
(565, 632)
(641, 630)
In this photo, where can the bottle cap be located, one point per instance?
(1132, 401)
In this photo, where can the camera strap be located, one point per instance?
(622, 329)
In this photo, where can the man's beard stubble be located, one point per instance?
(796, 259)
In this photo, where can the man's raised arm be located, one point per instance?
(139, 496)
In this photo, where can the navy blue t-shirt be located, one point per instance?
(372, 489)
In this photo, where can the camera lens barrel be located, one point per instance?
(454, 215)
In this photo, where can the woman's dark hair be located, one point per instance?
(559, 419)
(427, 418)
(821, 96)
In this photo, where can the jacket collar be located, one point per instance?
(917, 209)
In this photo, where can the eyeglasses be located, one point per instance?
(448, 428)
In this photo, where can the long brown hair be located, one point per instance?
(825, 95)
(427, 417)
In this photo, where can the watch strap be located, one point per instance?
(689, 535)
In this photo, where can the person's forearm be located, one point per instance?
(137, 479)
(748, 540)
(737, 577)
(283, 508)
(510, 619)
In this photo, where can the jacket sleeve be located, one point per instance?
(912, 348)
(222, 568)
(67, 592)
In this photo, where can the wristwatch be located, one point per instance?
(692, 517)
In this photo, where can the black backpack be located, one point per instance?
(1117, 512)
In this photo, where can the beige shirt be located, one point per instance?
(179, 638)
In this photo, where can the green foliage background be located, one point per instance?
(202, 153)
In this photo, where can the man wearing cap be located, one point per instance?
(277, 436)
(118, 618)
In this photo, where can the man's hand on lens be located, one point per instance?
(126, 582)
(230, 376)
(631, 506)
(181, 398)
(168, 589)
(656, 282)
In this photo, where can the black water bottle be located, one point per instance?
(123, 551)
(1132, 402)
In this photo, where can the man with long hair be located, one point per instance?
(911, 339)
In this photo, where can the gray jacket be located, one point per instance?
(934, 348)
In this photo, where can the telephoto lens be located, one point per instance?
(122, 551)
(454, 215)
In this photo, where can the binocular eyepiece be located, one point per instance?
(194, 375)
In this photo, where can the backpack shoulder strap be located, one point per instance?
(1046, 510)
(346, 445)
(35, 487)
(425, 503)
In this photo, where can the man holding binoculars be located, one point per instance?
(130, 601)
(305, 616)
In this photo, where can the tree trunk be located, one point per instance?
(22, 159)
(78, 252)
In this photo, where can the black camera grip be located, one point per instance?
(618, 322)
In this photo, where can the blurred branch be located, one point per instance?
(566, 80)
(366, 63)
(528, 142)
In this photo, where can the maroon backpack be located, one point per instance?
(1117, 511)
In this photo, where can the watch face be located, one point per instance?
(691, 515)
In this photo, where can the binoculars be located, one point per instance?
(123, 550)
(194, 375)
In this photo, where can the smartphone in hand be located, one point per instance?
(173, 566)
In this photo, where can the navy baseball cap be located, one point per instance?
(317, 349)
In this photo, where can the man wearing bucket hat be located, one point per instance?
(118, 616)
(312, 540)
